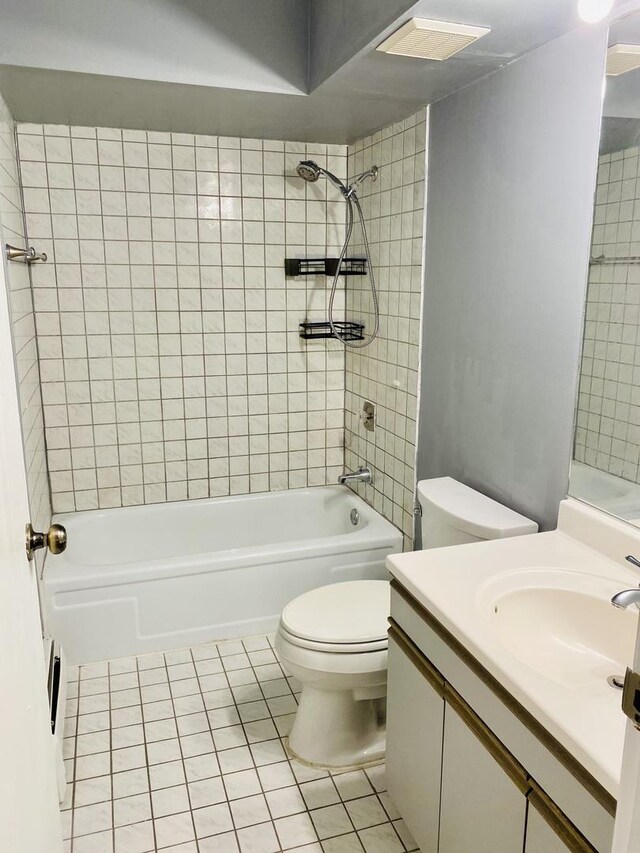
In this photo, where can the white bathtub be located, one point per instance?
(606, 491)
(149, 578)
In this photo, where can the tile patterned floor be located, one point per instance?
(182, 753)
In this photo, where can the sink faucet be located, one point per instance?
(628, 596)
(363, 474)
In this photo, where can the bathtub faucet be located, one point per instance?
(363, 474)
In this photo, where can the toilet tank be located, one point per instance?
(454, 514)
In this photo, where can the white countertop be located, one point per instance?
(459, 584)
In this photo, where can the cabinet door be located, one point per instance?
(482, 809)
(415, 719)
(549, 830)
(540, 837)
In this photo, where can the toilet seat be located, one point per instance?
(348, 617)
(333, 648)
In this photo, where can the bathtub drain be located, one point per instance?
(355, 516)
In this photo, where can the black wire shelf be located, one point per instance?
(348, 331)
(324, 266)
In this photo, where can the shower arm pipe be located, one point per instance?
(370, 173)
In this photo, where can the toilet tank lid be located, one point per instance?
(471, 511)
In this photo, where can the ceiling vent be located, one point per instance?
(425, 39)
(622, 58)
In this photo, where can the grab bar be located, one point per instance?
(25, 256)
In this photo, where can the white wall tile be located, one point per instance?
(166, 295)
(386, 372)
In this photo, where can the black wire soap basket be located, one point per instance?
(347, 330)
(324, 266)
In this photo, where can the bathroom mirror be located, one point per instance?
(605, 469)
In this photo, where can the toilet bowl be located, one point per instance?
(334, 641)
(334, 638)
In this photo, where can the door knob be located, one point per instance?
(55, 539)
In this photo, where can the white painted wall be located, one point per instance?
(257, 44)
(512, 167)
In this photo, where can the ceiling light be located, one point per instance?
(592, 11)
(424, 39)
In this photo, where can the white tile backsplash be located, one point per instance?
(168, 335)
(386, 372)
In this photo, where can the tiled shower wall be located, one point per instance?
(23, 327)
(171, 362)
(608, 418)
(386, 372)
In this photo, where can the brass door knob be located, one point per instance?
(55, 539)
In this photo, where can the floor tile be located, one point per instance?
(168, 801)
(212, 820)
(207, 792)
(320, 792)
(136, 838)
(381, 839)
(349, 843)
(94, 818)
(226, 842)
(352, 785)
(130, 782)
(166, 775)
(100, 842)
(174, 829)
(261, 838)
(295, 830)
(330, 821)
(133, 809)
(183, 752)
(285, 801)
(366, 811)
(249, 811)
(90, 791)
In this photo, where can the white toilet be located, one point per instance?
(334, 639)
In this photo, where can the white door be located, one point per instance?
(29, 815)
(626, 836)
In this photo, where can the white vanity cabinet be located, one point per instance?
(548, 830)
(415, 724)
(469, 770)
(483, 805)
(541, 838)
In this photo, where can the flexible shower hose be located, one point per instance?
(350, 200)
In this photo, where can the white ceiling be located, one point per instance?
(300, 69)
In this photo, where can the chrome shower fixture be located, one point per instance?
(310, 171)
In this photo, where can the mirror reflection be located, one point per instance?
(605, 469)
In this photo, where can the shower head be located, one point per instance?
(308, 170)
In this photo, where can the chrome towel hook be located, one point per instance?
(25, 256)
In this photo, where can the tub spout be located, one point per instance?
(363, 475)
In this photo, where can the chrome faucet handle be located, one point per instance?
(633, 560)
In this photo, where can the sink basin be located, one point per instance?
(562, 625)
